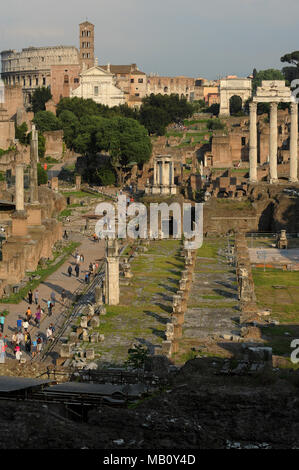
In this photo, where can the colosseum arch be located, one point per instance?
(229, 87)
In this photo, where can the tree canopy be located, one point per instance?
(40, 98)
(291, 72)
(46, 121)
(268, 74)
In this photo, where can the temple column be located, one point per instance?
(273, 143)
(33, 169)
(19, 188)
(155, 173)
(294, 144)
(19, 218)
(253, 143)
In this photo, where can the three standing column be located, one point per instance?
(294, 144)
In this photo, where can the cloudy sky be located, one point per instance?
(207, 38)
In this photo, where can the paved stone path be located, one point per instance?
(56, 282)
(213, 300)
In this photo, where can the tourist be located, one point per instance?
(87, 278)
(25, 325)
(20, 338)
(2, 350)
(49, 308)
(39, 343)
(37, 318)
(63, 296)
(18, 353)
(36, 296)
(28, 314)
(19, 324)
(34, 348)
(53, 298)
(77, 269)
(14, 341)
(81, 258)
(30, 295)
(65, 235)
(49, 334)
(2, 320)
(27, 339)
(78, 259)
(70, 270)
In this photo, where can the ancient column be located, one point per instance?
(294, 144)
(19, 188)
(33, 169)
(155, 173)
(273, 143)
(253, 143)
(112, 273)
(19, 217)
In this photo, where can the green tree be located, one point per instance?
(40, 98)
(46, 121)
(291, 72)
(42, 176)
(268, 74)
(21, 133)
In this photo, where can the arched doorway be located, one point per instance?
(235, 105)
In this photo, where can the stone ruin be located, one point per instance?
(282, 241)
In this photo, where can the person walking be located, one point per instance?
(2, 350)
(53, 298)
(2, 320)
(49, 308)
(37, 318)
(36, 296)
(25, 325)
(39, 343)
(81, 258)
(19, 324)
(49, 334)
(30, 296)
(27, 339)
(14, 341)
(28, 314)
(34, 348)
(77, 269)
(20, 338)
(18, 353)
(63, 296)
(70, 270)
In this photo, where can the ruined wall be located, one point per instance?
(13, 100)
(7, 134)
(54, 144)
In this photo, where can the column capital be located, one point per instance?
(273, 106)
(253, 106)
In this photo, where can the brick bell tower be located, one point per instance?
(86, 41)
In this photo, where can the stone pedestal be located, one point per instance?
(34, 214)
(54, 183)
(78, 182)
(19, 224)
